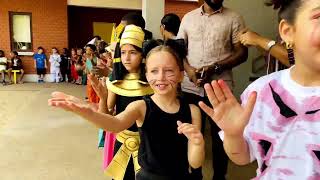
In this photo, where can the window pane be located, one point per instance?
(21, 28)
(21, 32)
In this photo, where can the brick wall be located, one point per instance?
(49, 25)
(180, 7)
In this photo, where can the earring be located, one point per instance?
(290, 53)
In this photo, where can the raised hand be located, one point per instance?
(100, 71)
(191, 72)
(192, 132)
(99, 86)
(71, 103)
(227, 112)
(203, 75)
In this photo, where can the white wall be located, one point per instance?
(259, 18)
(119, 4)
(153, 11)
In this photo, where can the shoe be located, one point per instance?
(39, 81)
(3, 83)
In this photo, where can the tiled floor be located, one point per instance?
(41, 143)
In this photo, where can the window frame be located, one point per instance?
(11, 14)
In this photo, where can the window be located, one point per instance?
(20, 31)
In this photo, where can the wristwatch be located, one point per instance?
(271, 44)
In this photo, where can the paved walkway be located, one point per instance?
(38, 142)
(41, 143)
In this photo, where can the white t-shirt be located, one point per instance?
(283, 133)
(3, 60)
(55, 60)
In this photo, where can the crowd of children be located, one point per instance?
(7, 66)
(64, 67)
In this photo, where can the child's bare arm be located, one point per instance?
(105, 121)
(111, 102)
(196, 151)
(103, 107)
(106, 105)
(237, 149)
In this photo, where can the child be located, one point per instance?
(55, 61)
(279, 123)
(126, 84)
(65, 65)
(3, 66)
(161, 118)
(169, 27)
(40, 63)
(91, 61)
(79, 66)
(16, 64)
(74, 57)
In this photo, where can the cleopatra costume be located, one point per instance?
(107, 139)
(129, 87)
(127, 142)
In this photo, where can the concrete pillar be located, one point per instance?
(153, 11)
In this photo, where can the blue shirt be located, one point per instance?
(40, 60)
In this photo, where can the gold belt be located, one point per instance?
(130, 145)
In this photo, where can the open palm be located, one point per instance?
(71, 103)
(227, 113)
